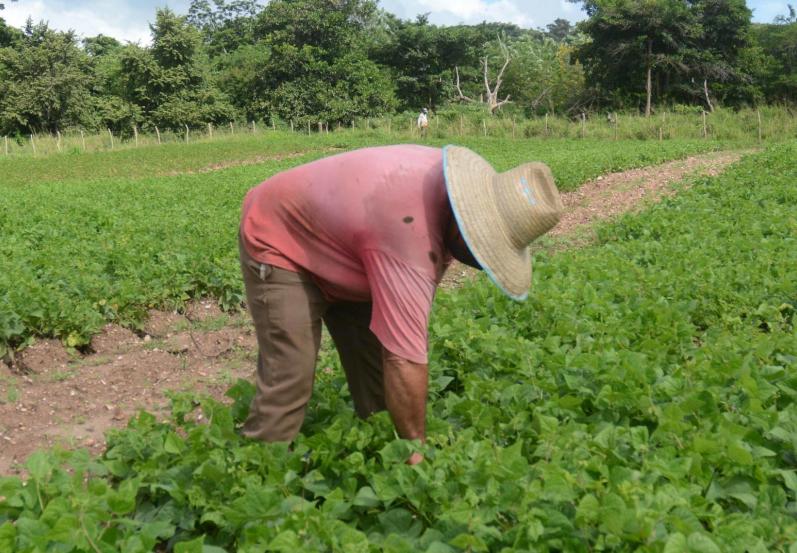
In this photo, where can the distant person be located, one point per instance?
(360, 241)
(423, 122)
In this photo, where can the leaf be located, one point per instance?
(469, 542)
(366, 498)
(39, 466)
(588, 509)
(173, 444)
(701, 543)
(8, 537)
(676, 543)
(789, 478)
(739, 454)
(286, 541)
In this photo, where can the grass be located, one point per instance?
(777, 123)
(260, 155)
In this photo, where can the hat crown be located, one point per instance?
(499, 215)
(528, 203)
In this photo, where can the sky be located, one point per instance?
(128, 20)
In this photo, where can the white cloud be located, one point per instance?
(114, 18)
(525, 13)
(476, 11)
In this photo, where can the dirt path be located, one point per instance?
(611, 195)
(72, 400)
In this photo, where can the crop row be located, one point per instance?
(641, 400)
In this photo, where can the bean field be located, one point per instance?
(641, 400)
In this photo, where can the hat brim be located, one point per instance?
(470, 184)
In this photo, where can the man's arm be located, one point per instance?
(406, 386)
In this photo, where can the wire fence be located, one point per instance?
(765, 124)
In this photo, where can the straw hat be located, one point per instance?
(500, 214)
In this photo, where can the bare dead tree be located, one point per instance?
(461, 97)
(491, 97)
(492, 93)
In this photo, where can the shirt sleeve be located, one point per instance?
(402, 301)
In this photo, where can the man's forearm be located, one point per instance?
(406, 385)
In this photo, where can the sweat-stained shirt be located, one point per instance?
(368, 225)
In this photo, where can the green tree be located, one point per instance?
(786, 19)
(541, 76)
(45, 81)
(560, 30)
(422, 58)
(225, 25)
(101, 45)
(8, 35)
(725, 33)
(779, 45)
(171, 83)
(634, 42)
(309, 64)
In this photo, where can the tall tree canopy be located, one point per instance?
(724, 34)
(309, 64)
(44, 82)
(634, 43)
(225, 25)
(170, 83)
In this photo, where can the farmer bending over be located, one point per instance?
(360, 241)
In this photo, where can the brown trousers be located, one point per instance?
(287, 309)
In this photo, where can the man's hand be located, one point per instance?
(406, 386)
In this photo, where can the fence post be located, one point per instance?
(320, 127)
(58, 140)
(210, 130)
(111, 135)
(546, 124)
(583, 124)
(83, 139)
(186, 133)
(291, 125)
(135, 133)
(254, 126)
(232, 128)
(705, 128)
(33, 144)
(157, 132)
(5, 138)
(760, 132)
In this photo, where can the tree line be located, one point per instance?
(304, 61)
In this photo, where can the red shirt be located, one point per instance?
(368, 225)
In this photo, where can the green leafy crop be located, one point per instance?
(641, 400)
(92, 247)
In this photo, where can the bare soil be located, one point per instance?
(71, 400)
